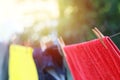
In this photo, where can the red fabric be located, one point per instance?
(92, 61)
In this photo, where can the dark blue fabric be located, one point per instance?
(47, 76)
(43, 61)
(4, 49)
(56, 57)
(49, 59)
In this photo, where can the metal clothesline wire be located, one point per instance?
(114, 35)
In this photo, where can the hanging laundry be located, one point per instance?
(92, 61)
(49, 64)
(57, 60)
(54, 53)
(113, 45)
(21, 64)
(42, 62)
(4, 52)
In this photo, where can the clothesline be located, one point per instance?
(114, 35)
(86, 61)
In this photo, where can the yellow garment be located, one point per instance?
(21, 64)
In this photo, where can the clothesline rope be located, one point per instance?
(114, 35)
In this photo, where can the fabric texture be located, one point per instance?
(42, 62)
(4, 49)
(57, 58)
(49, 63)
(21, 64)
(92, 61)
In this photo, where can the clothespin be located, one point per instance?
(42, 45)
(62, 44)
(99, 35)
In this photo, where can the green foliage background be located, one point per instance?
(78, 17)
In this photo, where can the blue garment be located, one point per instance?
(56, 57)
(43, 61)
(4, 49)
(49, 60)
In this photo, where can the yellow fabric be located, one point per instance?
(21, 64)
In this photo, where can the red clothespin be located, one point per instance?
(99, 35)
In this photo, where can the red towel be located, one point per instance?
(92, 61)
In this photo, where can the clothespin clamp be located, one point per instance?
(42, 45)
(62, 44)
(99, 35)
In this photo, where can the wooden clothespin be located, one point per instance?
(99, 35)
(43, 46)
(62, 44)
